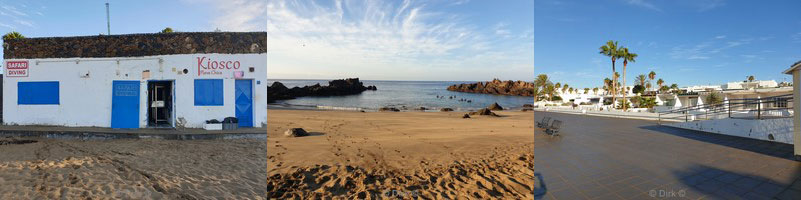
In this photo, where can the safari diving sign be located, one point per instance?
(17, 69)
(207, 66)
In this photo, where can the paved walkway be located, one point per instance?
(610, 158)
(109, 133)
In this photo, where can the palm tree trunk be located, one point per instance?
(624, 88)
(614, 84)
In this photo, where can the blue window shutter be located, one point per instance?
(38, 93)
(208, 92)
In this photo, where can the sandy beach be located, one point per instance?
(132, 169)
(375, 154)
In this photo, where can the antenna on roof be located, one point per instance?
(108, 20)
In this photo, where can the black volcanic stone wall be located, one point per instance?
(133, 45)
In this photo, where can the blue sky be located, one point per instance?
(400, 40)
(75, 18)
(688, 42)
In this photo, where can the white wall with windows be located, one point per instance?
(83, 88)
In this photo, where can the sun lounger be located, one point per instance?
(553, 129)
(544, 122)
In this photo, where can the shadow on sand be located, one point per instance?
(724, 184)
(775, 149)
(540, 190)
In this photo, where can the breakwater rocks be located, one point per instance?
(516, 88)
(340, 87)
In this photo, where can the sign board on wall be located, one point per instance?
(17, 69)
(209, 66)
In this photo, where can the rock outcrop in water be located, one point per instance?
(340, 87)
(516, 88)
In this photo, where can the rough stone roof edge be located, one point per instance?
(138, 34)
(10, 46)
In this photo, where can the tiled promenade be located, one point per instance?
(611, 158)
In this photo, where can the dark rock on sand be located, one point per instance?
(528, 106)
(421, 108)
(340, 87)
(484, 111)
(445, 109)
(389, 109)
(495, 106)
(517, 88)
(526, 109)
(466, 116)
(296, 132)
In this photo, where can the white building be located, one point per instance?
(136, 81)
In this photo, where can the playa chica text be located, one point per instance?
(207, 66)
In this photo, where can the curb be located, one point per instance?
(82, 135)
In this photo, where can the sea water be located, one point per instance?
(411, 94)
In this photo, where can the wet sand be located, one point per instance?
(376, 154)
(132, 169)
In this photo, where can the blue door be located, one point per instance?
(125, 104)
(244, 102)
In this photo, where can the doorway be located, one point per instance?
(160, 104)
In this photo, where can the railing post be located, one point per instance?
(686, 118)
(759, 110)
(729, 104)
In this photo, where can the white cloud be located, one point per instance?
(720, 37)
(13, 10)
(644, 4)
(24, 22)
(237, 15)
(7, 26)
(380, 40)
(706, 50)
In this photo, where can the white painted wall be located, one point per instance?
(86, 101)
(782, 129)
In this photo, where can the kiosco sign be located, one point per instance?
(207, 66)
(17, 69)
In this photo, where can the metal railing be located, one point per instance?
(780, 106)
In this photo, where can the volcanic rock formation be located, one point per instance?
(516, 88)
(340, 87)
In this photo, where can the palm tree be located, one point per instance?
(586, 90)
(558, 85)
(660, 82)
(627, 57)
(607, 85)
(541, 80)
(610, 50)
(641, 79)
(564, 88)
(751, 78)
(12, 35)
(595, 90)
(550, 90)
(651, 77)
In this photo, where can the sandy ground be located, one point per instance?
(380, 154)
(132, 169)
